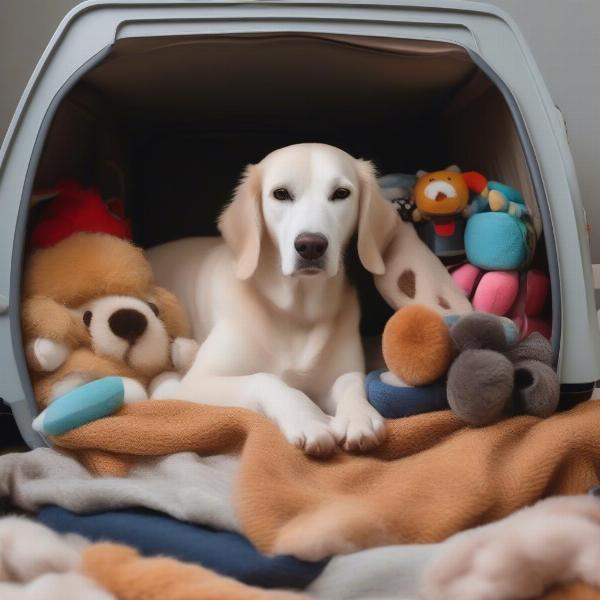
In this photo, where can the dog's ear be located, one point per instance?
(377, 220)
(241, 225)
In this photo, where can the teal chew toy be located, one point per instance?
(94, 400)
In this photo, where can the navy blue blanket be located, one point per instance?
(153, 533)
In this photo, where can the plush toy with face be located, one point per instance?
(441, 199)
(91, 311)
(440, 194)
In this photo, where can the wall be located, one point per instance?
(562, 34)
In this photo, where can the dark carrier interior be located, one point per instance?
(168, 124)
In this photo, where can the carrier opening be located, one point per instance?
(168, 123)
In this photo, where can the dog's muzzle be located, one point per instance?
(310, 249)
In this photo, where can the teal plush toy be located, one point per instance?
(89, 402)
(499, 235)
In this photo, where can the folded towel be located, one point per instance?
(432, 477)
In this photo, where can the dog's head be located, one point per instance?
(134, 330)
(308, 199)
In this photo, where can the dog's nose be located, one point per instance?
(128, 324)
(311, 245)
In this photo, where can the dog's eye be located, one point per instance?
(340, 194)
(281, 194)
(153, 308)
(87, 317)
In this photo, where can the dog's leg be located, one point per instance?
(300, 420)
(356, 424)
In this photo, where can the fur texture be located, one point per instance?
(38, 564)
(95, 274)
(416, 345)
(479, 330)
(279, 327)
(85, 266)
(480, 382)
(491, 379)
(555, 541)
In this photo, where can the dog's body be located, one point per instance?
(271, 306)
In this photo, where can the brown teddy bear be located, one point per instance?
(90, 309)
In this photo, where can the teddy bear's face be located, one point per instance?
(127, 329)
(441, 193)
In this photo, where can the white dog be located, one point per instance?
(277, 320)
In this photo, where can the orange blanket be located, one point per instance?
(127, 575)
(431, 478)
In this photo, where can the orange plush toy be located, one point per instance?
(441, 199)
(417, 347)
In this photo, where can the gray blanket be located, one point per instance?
(185, 486)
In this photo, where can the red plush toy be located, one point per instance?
(75, 208)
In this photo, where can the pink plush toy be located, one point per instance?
(527, 310)
(494, 292)
(506, 293)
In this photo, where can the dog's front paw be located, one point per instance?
(360, 430)
(46, 354)
(312, 434)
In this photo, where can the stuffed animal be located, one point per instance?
(474, 362)
(499, 235)
(441, 199)
(91, 310)
(492, 378)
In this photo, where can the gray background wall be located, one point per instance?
(563, 35)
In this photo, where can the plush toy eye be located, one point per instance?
(449, 178)
(87, 317)
(153, 308)
(340, 193)
(281, 194)
(432, 179)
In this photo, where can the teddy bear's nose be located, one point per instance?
(128, 324)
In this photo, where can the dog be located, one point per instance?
(276, 317)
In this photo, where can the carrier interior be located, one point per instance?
(168, 124)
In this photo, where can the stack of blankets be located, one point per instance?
(221, 488)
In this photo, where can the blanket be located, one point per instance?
(431, 478)
(184, 485)
(495, 560)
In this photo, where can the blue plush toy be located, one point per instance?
(89, 402)
(499, 235)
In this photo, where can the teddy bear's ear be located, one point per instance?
(453, 168)
(421, 173)
(170, 312)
